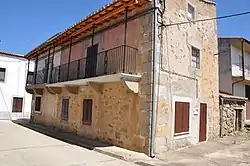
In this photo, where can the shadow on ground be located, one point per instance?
(69, 137)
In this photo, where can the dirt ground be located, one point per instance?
(227, 151)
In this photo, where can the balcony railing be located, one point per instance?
(122, 59)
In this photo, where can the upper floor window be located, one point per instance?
(2, 74)
(191, 12)
(195, 61)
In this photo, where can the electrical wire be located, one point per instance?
(208, 19)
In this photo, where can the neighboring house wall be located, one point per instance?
(179, 81)
(14, 86)
(225, 66)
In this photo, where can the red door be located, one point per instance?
(203, 122)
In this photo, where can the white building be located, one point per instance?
(15, 102)
(234, 68)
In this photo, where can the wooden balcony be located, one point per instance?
(122, 59)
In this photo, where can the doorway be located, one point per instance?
(91, 61)
(238, 120)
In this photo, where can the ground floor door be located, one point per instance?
(203, 123)
(238, 120)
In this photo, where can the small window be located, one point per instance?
(87, 111)
(2, 74)
(195, 57)
(38, 104)
(181, 118)
(191, 12)
(65, 109)
(17, 104)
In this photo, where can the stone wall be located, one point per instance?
(116, 117)
(229, 116)
(176, 77)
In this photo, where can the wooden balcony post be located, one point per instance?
(52, 64)
(47, 69)
(93, 35)
(69, 57)
(125, 39)
(35, 74)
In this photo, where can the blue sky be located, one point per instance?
(27, 23)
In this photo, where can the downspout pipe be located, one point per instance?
(153, 115)
(243, 65)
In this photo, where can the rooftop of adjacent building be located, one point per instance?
(12, 55)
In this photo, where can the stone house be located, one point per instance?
(129, 75)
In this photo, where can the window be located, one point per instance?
(181, 118)
(195, 57)
(2, 74)
(38, 104)
(191, 12)
(17, 104)
(87, 111)
(65, 109)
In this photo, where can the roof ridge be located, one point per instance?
(12, 54)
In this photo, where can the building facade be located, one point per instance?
(234, 71)
(15, 102)
(123, 77)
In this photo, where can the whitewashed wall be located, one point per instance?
(14, 86)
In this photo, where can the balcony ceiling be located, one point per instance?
(237, 42)
(101, 79)
(98, 18)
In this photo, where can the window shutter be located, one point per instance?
(87, 111)
(17, 104)
(185, 117)
(178, 117)
(181, 117)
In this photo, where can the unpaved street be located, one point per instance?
(23, 147)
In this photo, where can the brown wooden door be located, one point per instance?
(91, 61)
(203, 123)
